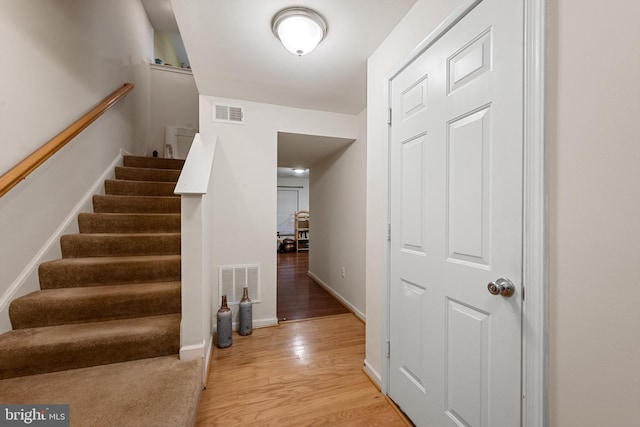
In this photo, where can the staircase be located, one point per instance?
(115, 294)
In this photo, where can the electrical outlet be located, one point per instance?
(343, 272)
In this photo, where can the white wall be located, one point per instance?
(174, 102)
(593, 142)
(412, 29)
(58, 60)
(245, 184)
(337, 238)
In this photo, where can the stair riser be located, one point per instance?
(139, 188)
(141, 174)
(133, 204)
(108, 223)
(53, 307)
(117, 345)
(55, 275)
(152, 162)
(92, 245)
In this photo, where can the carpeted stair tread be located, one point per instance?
(97, 271)
(147, 174)
(116, 294)
(152, 162)
(123, 187)
(135, 204)
(128, 223)
(52, 307)
(159, 391)
(119, 244)
(57, 348)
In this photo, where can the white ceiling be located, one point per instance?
(234, 54)
(304, 151)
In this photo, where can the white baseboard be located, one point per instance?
(265, 323)
(207, 360)
(193, 351)
(337, 296)
(28, 280)
(256, 323)
(372, 374)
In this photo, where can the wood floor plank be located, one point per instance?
(306, 373)
(299, 297)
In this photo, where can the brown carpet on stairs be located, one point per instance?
(115, 295)
(156, 392)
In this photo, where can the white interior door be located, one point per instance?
(456, 224)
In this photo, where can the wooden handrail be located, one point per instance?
(38, 157)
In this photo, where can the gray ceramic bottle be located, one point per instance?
(245, 314)
(224, 324)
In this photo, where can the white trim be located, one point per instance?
(193, 351)
(265, 323)
(386, 245)
(445, 25)
(339, 297)
(256, 323)
(535, 265)
(373, 375)
(199, 351)
(207, 361)
(31, 269)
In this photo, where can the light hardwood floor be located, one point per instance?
(303, 373)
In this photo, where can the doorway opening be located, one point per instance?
(299, 296)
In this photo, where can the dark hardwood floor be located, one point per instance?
(299, 297)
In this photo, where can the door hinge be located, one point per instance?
(389, 232)
(522, 292)
(388, 355)
(390, 116)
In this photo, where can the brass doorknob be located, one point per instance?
(502, 287)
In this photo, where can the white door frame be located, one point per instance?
(534, 265)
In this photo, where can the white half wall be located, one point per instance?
(337, 226)
(245, 184)
(59, 59)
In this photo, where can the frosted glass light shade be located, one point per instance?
(299, 29)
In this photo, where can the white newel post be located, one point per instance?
(192, 186)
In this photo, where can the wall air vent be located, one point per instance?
(228, 114)
(233, 278)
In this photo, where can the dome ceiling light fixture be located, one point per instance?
(300, 29)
